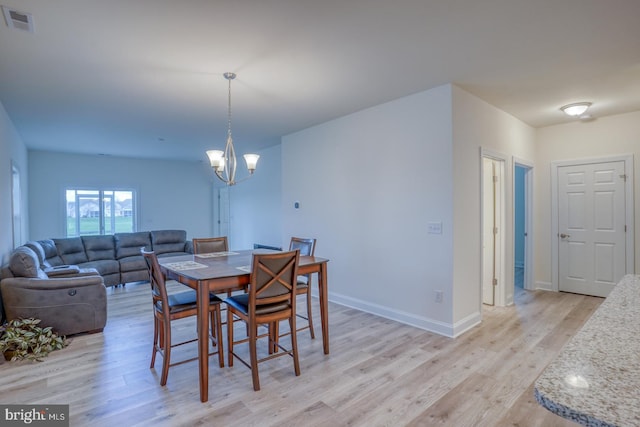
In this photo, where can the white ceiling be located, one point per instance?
(144, 78)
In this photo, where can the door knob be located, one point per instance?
(564, 236)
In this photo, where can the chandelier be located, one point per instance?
(224, 162)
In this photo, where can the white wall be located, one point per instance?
(256, 204)
(368, 184)
(605, 136)
(476, 125)
(11, 149)
(171, 194)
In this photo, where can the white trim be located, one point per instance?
(421, 322)
(629, 210)
(544, 286)
(462, 326)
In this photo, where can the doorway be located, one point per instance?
(522, 224)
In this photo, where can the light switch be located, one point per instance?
(434, 227)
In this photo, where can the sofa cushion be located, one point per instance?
(104, 266)
(109, 269)
(168, 241)
(99, 247)
(129, 244)
(71, 250)
(51, 257)
(24, 263)
(132, 263)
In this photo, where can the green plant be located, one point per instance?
(24, 339)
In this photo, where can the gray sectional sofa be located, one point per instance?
(116, 257)
(62, 281)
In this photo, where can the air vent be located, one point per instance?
(18, 20)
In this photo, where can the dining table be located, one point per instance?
(220, 272)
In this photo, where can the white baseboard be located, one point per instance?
(431, 325)
(462, 326)
(544, 286)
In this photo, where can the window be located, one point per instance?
(100, 212)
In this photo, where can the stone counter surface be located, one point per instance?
(595, 381)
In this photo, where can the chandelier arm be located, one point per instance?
(243, 179)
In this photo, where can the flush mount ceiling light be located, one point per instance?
(224, 162)
(576, 109)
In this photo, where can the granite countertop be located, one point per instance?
(595, 380)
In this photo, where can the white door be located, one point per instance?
(491, 223)
(591, 227)
(222, 226)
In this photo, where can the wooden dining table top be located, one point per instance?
(218, 265)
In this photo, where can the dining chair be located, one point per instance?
(271, 299)
(168, 307)
(204, 245)
(307, 247)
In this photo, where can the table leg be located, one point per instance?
(324, 305)
(203, 340)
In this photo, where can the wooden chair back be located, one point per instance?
(210, 245)
(307, 246)
(273, 279)
(157, 282)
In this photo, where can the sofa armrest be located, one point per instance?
(70, 271)
(50, 284)
(62, 270)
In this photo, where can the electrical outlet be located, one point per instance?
(439, 296)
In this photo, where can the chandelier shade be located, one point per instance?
(224, 163)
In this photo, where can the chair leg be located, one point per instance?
(156, 333)
(253, 332)
(160, 334)
(230, 337)
(216, 325)
(309, 316)
(294, 344)
(167, 353)
(274, 336)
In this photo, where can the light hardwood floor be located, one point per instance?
(379, 372)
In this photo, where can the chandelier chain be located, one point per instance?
(229, 110)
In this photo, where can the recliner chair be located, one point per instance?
(70, 300)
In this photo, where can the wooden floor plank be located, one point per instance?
(379, 372)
